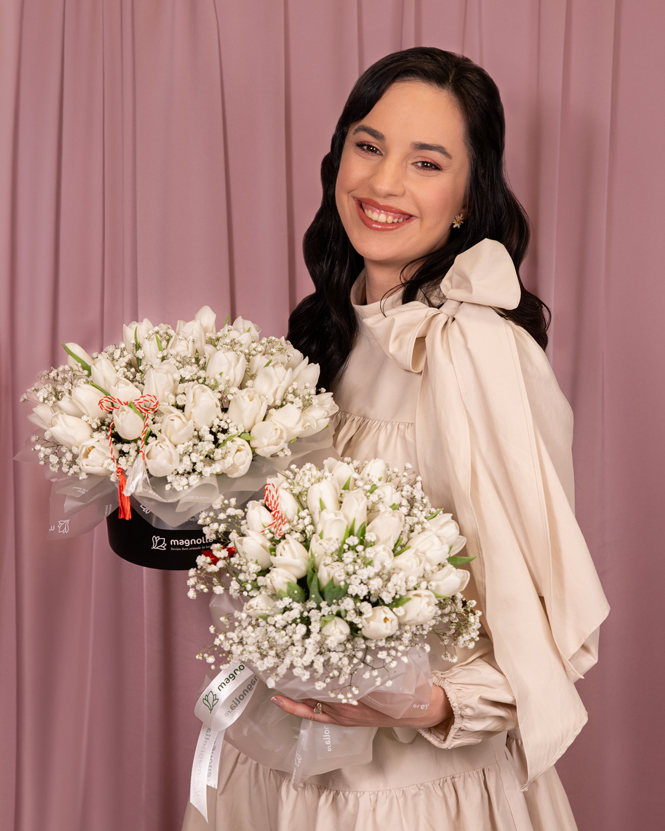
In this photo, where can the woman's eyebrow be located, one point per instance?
(363, 128)
(436, 148)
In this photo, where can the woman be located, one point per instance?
(449, 375)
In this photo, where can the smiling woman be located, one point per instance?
(434, 350)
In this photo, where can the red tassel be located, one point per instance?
(125, 504)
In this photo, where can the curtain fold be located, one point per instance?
(156, 156)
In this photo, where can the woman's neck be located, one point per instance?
(379, 279)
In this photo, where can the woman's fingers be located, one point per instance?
(301, 709)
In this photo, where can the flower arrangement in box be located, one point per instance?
(331, 588)
(173, 415)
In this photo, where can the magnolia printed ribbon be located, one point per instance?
(145, 404)
(271, 498)
(219, 705)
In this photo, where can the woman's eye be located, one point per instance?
(427, 165)
(368, 148)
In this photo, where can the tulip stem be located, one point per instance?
(84, 364)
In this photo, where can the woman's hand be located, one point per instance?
(360, 715)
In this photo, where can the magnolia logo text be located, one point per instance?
(230, 677)
(241, 696)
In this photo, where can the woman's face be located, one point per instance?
(402, 178)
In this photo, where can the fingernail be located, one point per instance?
(276, 699)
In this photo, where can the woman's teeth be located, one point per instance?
(379, 216)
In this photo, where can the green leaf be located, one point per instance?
(159, 343)
(136, 344)
(295, 592)
(361, 533)
(332, 593)
(402, 550)
(84, 364)
(373, 488)
(399, 602)
(436, 513)
(459, 561)
(347, 485)
(227, 320)
(313, 582)
(246, 436)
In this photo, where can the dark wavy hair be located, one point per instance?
(323, 326)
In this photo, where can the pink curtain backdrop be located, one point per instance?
(157, 155)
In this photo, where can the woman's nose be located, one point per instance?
(388, 178)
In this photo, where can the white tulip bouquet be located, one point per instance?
(332, 587)
(167, 410)
(339, 570)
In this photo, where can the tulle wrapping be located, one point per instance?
(275, 739)
(84, 503)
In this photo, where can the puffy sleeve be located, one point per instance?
(480, 697)
(490, 411)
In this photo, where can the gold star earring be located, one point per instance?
(457, 222)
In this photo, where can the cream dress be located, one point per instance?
(476, 774)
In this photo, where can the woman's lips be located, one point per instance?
(382, 217)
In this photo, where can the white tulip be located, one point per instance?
(238, 457)
(324, 493)
(420, 608)
(386, 527)
(333, 571)
(201, 405)
(95, 457)
(379, 622)
(410, 563)
(161, 456)
(138, 330)
(278, 580)
(388, 495)
(374, 471)
(257, 516)
(103, 373)
(321, 548)
(354, 509)
(67, 405)
(257, 363)
(247, 409)
(191, 333)
(295, 358)
(325, 401)
(446, 529)
(449, 580)
(128, 423)
(254, 548)
(80, 351)
(260, 605)
(287, 504)
(342, 472)
(226, 368)
(150, 348)
(331, 525)
(382, 556)
(246, 327)
(306, 374)
(87, 399)
(314, 419)
(161, 381)
(268, 438)
(289, 417)
(207, 318)
(430, 547)
(292, 556)
(41, 416)
(337, 630)
(70, 431)
(177, 428)
(457, 546)
(124, 390)
(273, 381)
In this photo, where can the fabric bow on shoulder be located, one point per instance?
(491, 414)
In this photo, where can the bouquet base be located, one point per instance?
(165, 547)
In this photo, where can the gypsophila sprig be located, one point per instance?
(340, 570)
(199, 401)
